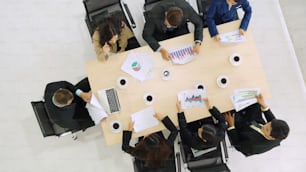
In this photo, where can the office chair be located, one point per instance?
(148, 5)
(213, 160)
(98, 10)
(47, 127)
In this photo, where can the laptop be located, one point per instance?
(109, 100)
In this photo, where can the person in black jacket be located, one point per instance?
(168, 19)
(65, 104)
(202, 135)
(153, 150)
(250, 134)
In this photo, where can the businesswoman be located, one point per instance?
(153, 151)
(111, 36)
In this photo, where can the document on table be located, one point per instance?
(139, 65)
(192, 98)
(232, 37)
(96, 111)
(243, 98)
(144, 119)
(182, 54)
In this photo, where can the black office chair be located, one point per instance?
(213, 160)
(148, 5)
(49, 128)
(98, 10)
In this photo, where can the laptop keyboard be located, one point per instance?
(112, 100)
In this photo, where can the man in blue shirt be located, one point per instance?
(223, 11)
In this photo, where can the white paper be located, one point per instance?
(96, 111)
(139, 65)
(192, 98)
(182, 54)
(144, 119)
(232, 37)
(243, 98)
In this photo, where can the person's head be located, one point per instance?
(275, 129)
(62, 97)
(109, 32)
(153, 150)
(208, 134)
(174, 17)
(232, 2)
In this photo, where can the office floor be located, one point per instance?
(43, 41)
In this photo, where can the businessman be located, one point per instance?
(250, 134)
(168, 19)
(65, 104)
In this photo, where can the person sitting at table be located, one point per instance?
(111, 36)
(201, 134)
(65, 104)
(223, 11)
(153, 150)
(250, 134)
(168, 19)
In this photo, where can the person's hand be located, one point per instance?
(229, 118)
(158, 116)
(179, 106)
(165, 54)
(217, 38)
(241, 32)
(196, 48)
(131, 125)
(261, 101)
(106, 48)
(86, 96)
(207, 102)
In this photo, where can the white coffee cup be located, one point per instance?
(115, 126)
(122, 82)
(200, 86)
(235, 59)
(222, 81)
(148, 98)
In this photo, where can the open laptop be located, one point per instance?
(109, 100)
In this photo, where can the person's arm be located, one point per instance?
(126, 137)
(265, 108)
(212, 28)
(198, 24)
(125, 35)
(247, 15)
(101, 52)
(170, 126)
(147, 34)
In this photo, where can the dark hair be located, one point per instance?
(174, 16)
(62, 96)
(280, 129)
(110, 27)
(153, 150)
(209, 134)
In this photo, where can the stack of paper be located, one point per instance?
(243, 98)
(182, 55)
(139, 65)
(192, 98)
(96, 111)
(232, 37)
(144, 119)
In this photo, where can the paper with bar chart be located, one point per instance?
(182, 55)
(192, 98)
(232, 37)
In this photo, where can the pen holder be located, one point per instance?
(115, 126)
(122, 82)
(222, 81)
(235, 59)
(148, 99)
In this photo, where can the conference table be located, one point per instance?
(211, 62)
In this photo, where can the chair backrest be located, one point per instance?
(203, 6)
(43, 118)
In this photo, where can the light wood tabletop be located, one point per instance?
(212, 62)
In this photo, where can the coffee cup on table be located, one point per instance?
(222, 81)
(148, 98)
(115, 126)
(200, 86)
(235, 59)
(122, 82)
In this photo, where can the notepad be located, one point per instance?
(144, 119)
